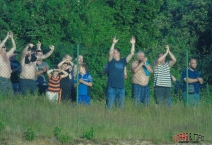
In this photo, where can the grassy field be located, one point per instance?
(156, 124)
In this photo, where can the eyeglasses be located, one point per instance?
(3, 47)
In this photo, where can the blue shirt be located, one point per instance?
(193, 75)
(82, 88)
(116, 73)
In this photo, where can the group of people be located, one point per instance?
(141, 71)
(62, 79)
(30, 74)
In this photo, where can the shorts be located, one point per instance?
(52, 96)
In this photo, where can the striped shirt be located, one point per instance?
(162, 75)
(54, 84)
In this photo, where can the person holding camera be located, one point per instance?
(141, 70)
(28, 65)
(194, 82)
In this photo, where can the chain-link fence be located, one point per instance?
(79, 80)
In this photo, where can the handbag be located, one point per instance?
(191, 89)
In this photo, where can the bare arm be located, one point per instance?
(47, 54)
(132, 41)
(191, 80)
(173, 61)
(10, 52)
(200, 80)
(112, 49)
(149, 68)
(65, 74)
(38, 45)
(125, 72)
(25, 51)
(49, 72)
(160, 59)
(61, 63)
(135, 67)
(41, 71)
(173, 78)
(4, 41)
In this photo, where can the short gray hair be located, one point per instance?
(140, 52)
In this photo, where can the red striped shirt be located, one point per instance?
(54, 84)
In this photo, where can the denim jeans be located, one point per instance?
(193, 99)
(115, 94)
(141, 94)
(16, 87)
(26, 84)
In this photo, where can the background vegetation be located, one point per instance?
(183, 24)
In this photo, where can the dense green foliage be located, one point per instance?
(93, 23)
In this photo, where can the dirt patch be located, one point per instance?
(53, 141)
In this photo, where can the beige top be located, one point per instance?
(5, 68)
(140, 76)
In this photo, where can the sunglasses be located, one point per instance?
(3, 47)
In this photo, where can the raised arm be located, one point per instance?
(49, 72)
(173, 61)
(38, 45)
(61, 63)
(71, 66)
(47, 54)
(10, 52)
(25, 51)
(112, 49)
(160, 59)
(4, 41)
(132, 41)
(65, 74)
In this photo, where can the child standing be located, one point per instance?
(85, 81)
(54, 83)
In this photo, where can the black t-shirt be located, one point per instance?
(65, 83)
(14, 75)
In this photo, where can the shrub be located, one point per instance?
(30, 134)
(89, 134)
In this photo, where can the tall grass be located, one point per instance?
(154, 123)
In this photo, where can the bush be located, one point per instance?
(2, 126)
(30, 134)
(89, 134)
(63, 138)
